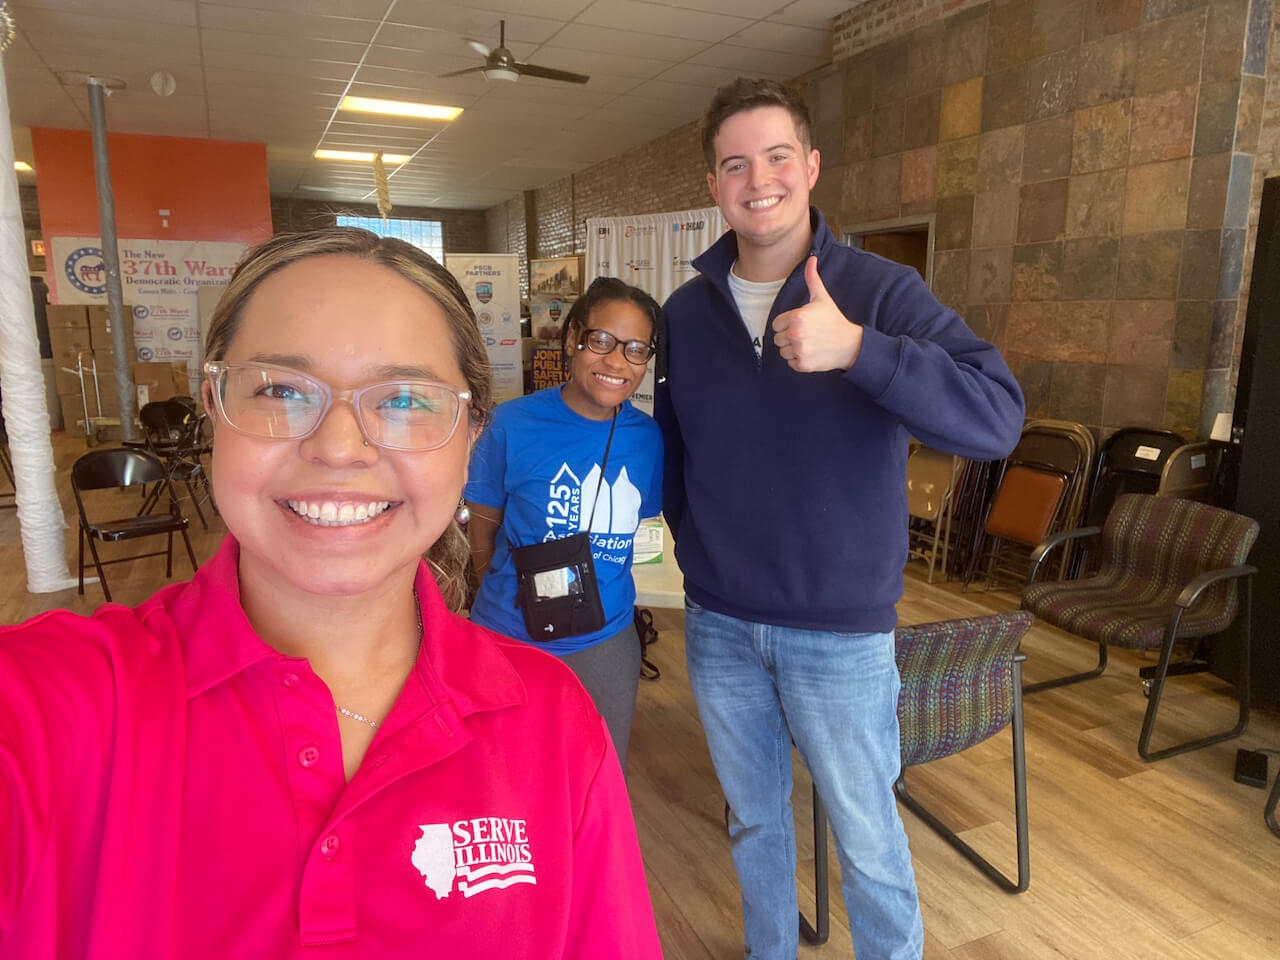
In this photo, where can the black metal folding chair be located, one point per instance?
(123, 467)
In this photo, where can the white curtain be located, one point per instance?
(26, 412)
(652, 252)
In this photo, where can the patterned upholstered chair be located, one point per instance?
(961, 685)
(1170, 570)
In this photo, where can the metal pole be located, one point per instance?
(111, 258)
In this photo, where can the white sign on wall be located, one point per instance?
(492, 284)
(652, 252)
(161, 280)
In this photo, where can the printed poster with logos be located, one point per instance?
(492, 283)
(652, 252)
(161, 281)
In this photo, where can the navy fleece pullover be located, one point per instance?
(786, 491)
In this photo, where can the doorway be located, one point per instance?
(908, 242)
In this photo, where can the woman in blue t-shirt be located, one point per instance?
(536, 476)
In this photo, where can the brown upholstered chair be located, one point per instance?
(1024, 510)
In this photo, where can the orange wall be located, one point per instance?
(214, 189)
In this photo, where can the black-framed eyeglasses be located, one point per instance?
(604, 343)
(264, 400)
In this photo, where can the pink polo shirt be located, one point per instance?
(170, 786)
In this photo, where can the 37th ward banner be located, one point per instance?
(161, 281)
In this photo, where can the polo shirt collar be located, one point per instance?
(458, 663)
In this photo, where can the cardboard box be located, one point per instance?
(67, 316)
(65, 375)
(161, 381)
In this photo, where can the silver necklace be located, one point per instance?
(361, 718)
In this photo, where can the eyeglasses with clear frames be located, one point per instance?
(636, 352)
(264, 400)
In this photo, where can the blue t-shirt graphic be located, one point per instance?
(539, 462)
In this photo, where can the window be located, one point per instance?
(427, 235)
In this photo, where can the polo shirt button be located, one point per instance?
(329, 846)
(289, 679)
(309, 755)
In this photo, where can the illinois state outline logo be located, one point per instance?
(473, 856)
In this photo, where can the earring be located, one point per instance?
(463, 514)
(366, 443)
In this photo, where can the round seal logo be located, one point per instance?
(146, 353)
(175, 333)
(141, 312)
(87, 271)
(485, 318)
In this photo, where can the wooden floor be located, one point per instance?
(1164, 861)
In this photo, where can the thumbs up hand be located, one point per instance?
(817, 336)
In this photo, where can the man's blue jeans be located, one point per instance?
(761, 687)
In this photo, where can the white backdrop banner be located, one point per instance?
(161, 281)
(652, 252)
(492, 284)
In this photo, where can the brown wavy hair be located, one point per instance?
(746, 94)
(450, 556)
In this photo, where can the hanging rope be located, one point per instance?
(382, 189)
(7, 28)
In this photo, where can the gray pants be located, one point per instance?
(610, 670)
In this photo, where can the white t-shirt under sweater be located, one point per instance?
(754, 302)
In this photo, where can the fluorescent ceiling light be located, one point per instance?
(500, 73)
(22, 166)
(400, 108)
(360, 156)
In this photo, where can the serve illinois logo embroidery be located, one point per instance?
(483, 853)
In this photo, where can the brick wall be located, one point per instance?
(505, 233)
(665, 174)
(465, 231)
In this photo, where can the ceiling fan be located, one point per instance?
(500, 64)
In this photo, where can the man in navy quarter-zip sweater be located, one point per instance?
(796, 368)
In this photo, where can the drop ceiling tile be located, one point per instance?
(782, 38)
(597, 64)
(667, 21)
(457, 24)
(298, 47)
(812, 13)
(288, 66)
(630, 43)
(150, 11)
(363, 9)
(50, 27)
(755, 9)
(754, 63)
(217, 16)
(698, 75)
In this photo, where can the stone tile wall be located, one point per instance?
(1089, 164)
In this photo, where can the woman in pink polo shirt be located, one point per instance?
(304, 750)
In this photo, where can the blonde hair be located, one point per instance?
(449, 557)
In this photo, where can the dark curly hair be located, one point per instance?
(608, 290)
